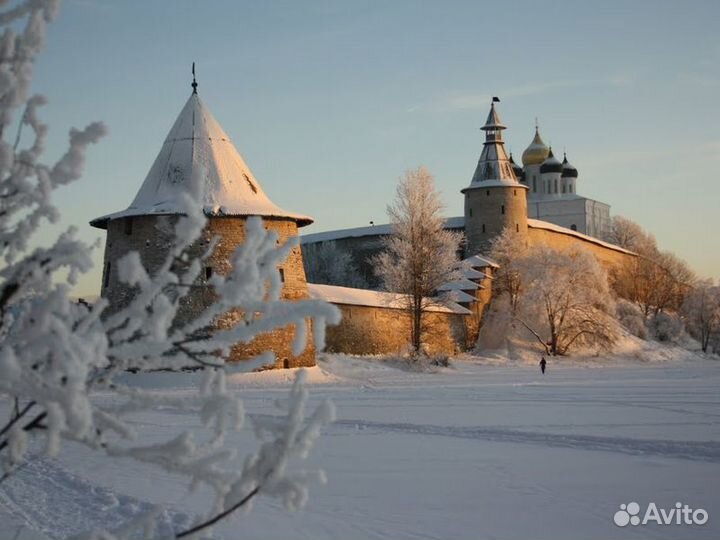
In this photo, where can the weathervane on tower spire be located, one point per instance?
(194, 83)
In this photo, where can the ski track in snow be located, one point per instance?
(689, 450)
(60, 504)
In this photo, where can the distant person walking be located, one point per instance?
(543, 363)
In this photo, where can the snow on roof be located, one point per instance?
(197, 150)
(478, 261)
(458, 296)
(460, 285)
(538, 224)
(471, 273)
(372, 230)
(364, 297)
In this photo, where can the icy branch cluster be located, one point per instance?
(56, 354)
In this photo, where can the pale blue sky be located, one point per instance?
(329, 102)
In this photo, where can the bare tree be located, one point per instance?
(566, 299)
(629, 235)
(702, 312)
(420, 255)
(56, 355)
(327, 263)
(508, 250)
(656, 281)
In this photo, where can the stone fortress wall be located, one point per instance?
(378, 329)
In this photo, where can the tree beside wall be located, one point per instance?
(419, 255)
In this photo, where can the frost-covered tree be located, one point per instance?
(508, 250)
(419, 255)
(631, 317)
(656, 280)
(629, 235)
(327, 263)
(56, 354)
(702, 312)
(566, 300)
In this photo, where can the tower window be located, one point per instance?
(556, 189)
(282, 275)
(107, 275)
(487, 192)
(515, 192)
(470, 212)
(534, 184)
(517, 227)
(128, 225)
(208, 272)
(502, 209)
(573, 227)
(483, 227)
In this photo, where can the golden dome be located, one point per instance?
(537, 152)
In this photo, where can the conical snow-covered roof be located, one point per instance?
(197, 150)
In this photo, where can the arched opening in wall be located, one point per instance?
(556, 187)
(534, 184)
(282, 275)
(517, 227)
(573, 227)
(106, 281)
(286, 363)
(502, 209)
(514, 192)
(483, 228)
(487, 192)
(470, 212)
(208, 272)
(128, 225)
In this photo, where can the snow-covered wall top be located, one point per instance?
(364, 297)
(373, 230)
(538, 224)
(450, 223)
(198, 153)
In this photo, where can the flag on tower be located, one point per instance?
(496, 99)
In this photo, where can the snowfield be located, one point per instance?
(483, 449)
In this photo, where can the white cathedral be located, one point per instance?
(552, 193)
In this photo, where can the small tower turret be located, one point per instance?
(494, 199)
(518, 170)
(569, 177)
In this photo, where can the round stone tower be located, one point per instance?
(197, 151)
(494, 200)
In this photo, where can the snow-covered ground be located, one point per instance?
(483, 449)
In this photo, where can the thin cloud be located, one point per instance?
(480, 101)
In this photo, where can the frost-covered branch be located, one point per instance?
(56, 354)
